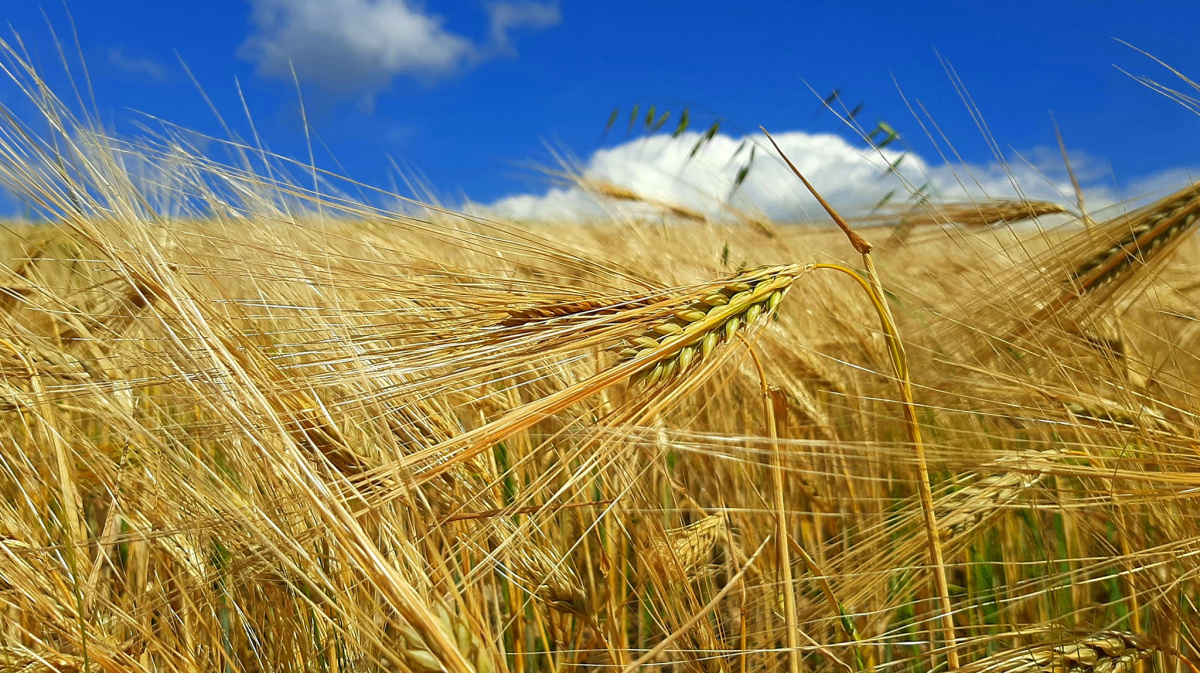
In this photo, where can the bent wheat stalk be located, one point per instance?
(874, 289)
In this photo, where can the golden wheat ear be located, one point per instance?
(686, 327)
(418, 656)
(684, 550)
(544, 572)
(983, 214)
(1098, 265)
(670, 347)
(1099, 652)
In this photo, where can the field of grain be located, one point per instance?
(251, 422)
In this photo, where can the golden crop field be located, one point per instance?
(252, 422)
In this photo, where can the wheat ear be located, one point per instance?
(686, 549)
(548, 576)
(684, 337)
(1100, 652)
(420, 659)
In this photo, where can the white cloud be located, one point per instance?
(359, 46)
(507, 16)
(139, 65)
(852, 178)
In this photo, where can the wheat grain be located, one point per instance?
(419, 657)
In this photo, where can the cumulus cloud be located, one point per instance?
(359, 46)
(661, 169)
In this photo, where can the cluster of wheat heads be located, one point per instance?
(251, 425)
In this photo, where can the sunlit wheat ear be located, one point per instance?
(1123, 246)
(1144, 234)
(1100, 652)
(672, 346)
(619, 193)
(549, 577)
(686, 549)
(982, 214)
(990, 496)
(989, 213)
(525, 314)
(420, 659)
(1091, 268)
(684, 329)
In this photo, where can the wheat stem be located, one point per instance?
(874, 289)
(775, 412)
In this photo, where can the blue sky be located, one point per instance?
(469, 93)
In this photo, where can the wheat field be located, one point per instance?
(250, 420)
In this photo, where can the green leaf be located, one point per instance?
(921, 197)
(633, 117)
(704, 139)
(661, 120)
(683, 124)
(612, 121)
(740, 178)
(890, 134)
(883, 202)
(742, 173)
